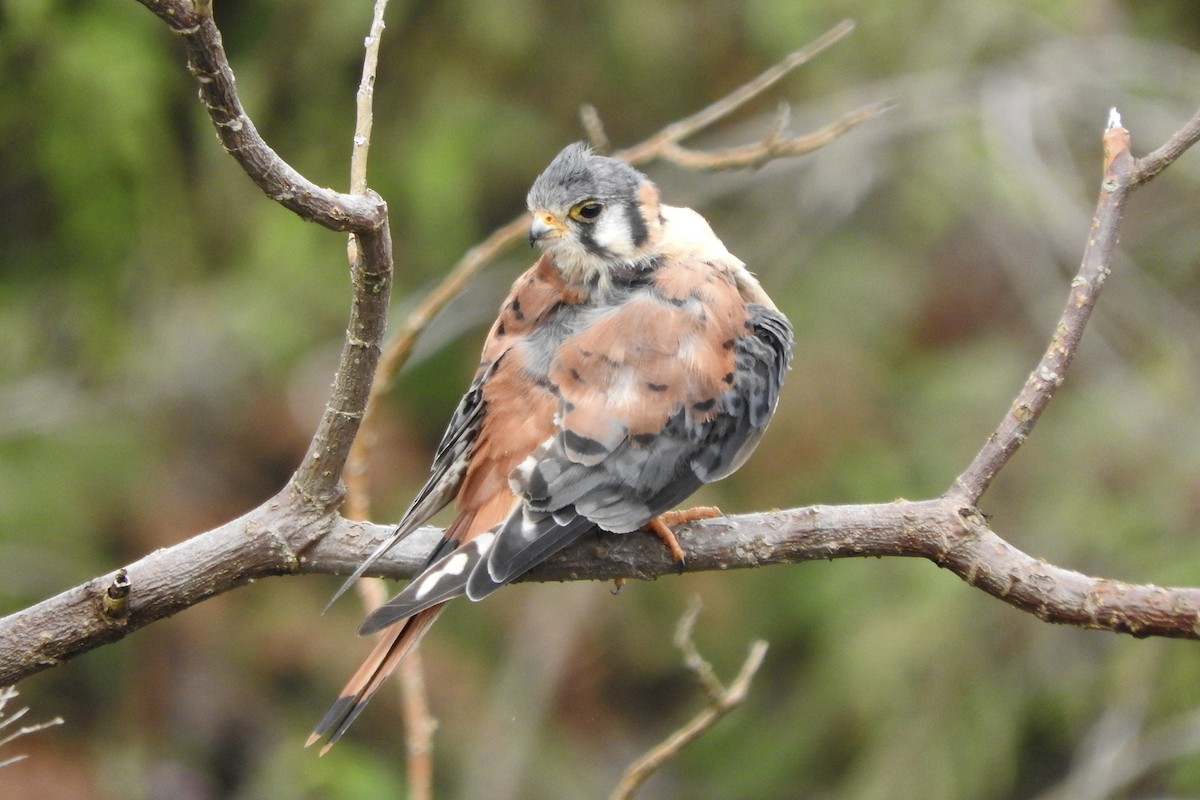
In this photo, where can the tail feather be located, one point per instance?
(443, 580)
(393, 645)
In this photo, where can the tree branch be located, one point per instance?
(363, 214)
(1050, 372)
(298, 531)
(193, 23)
(1148, 167)
(258, 545)
(706, 117)
(772, 146)
(948, 533)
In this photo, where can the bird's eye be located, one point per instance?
(587, 211)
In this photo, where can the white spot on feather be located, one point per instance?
(454, 565)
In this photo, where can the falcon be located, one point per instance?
(635, 361)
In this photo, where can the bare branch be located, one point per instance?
(364, 111)
(298, 532)
(1149, 166)
(678, 131)
(419, 726)
(357, 500)
(774, 145)
(318, 477)
(363, 214)
(270, 540)
(1085, 290)
(364, 116)
(951, 534)
(193, 22)
(722, 700)
(593, 127)
(691, 654)
(273, 540)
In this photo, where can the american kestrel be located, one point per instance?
(636, 360)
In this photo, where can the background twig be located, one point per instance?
(721, 700)
(1085, 291)
(8, 734)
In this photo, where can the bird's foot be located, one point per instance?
(660, 526)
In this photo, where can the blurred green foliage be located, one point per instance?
(167, 336)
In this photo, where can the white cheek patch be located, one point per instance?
(613, 234)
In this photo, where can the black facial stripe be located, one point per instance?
(638, 232)
(587, 237)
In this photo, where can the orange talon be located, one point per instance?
(681, 515)
(660, 526)
(664, 532)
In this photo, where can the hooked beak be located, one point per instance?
(544, 226)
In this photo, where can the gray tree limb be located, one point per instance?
(300, 530)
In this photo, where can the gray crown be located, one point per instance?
(577, 173)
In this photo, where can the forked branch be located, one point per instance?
(299, 531)
(1081, 299)
(721, 700)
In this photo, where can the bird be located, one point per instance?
(634, 362)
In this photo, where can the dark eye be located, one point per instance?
(586, 211)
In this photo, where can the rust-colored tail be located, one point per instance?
(394, 642)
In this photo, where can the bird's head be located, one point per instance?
(594, 215)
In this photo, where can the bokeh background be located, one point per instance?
(167, 336)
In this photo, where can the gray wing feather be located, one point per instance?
(565, 498)
(449, 465)
(761, 361)
(624, 490)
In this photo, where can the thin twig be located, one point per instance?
(8, 693)
(707, 116)
(774, 145)
(357, 504)
(418, 722)
(593, 127)
(1050, 372)
(364, 116)
(364, 102)
(722, 700)
(691, 654)
(419, 727)
(1147, 167)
